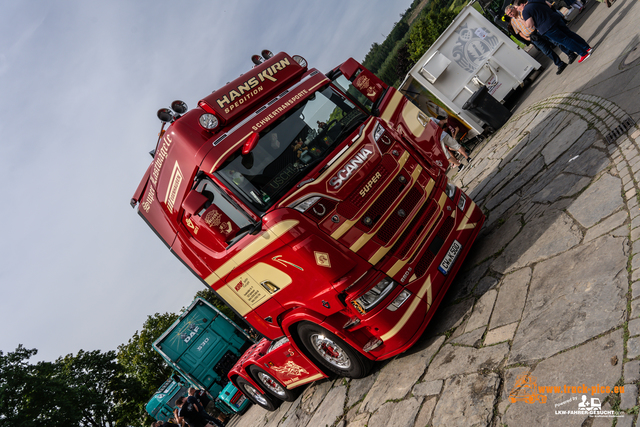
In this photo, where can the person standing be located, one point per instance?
(539, 14)
(543, 44)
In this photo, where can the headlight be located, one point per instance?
(450, 190)
(369, 300)
(208, 121)
(462, 201)
(378, 132)
(300, 60)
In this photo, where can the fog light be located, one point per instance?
(372, 344)
(462, 201)
(351, 323)
(404, 295)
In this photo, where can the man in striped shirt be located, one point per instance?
(542, 43)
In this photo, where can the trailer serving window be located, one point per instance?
(290, 148)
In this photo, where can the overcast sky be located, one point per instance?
(80, 84)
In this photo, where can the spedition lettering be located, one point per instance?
(249, 88)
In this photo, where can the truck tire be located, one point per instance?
(332, 352)
(271, 385)
(255, 396)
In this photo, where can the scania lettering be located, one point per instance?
(318, 209)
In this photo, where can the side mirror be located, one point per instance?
(194, 202)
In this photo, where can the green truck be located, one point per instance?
(202, 346)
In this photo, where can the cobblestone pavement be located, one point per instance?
(550, 293)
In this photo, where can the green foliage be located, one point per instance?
(428, 28)
(141, 362)
(89, 389)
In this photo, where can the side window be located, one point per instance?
(210, 217)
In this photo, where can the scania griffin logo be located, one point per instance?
(352, 166)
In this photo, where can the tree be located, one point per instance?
(99, 389)
(32, 395)
(141, 362)
(89, 389)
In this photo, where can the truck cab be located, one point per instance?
(317, 207)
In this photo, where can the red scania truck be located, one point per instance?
(317, 207)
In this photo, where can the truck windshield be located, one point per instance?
(290, 148)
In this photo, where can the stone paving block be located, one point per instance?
(564, 185)
(608, 224)
(547, 326)
(398, 377)
(498, 212)
(634, 327)
(430, 388)
(482, 311)
(625, 421)
(511, 298)
(633, 347)
(503, 333)
(331, 408)
(359, 387)
(632, 371)
(629, 397)
(628, 186)
(422, 420)
(517, 182)
(396, 414)
(540, 239)
(469, 338)
(630, 194)
(360, 421)
(455, 360)
(635, 234)
(607, 191)
(449, 317)
(467, 401)
(564, 140)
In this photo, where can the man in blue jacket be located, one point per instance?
(549, 23)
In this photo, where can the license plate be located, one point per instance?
(241, 401)
(450, 257)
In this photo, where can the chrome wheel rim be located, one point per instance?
(271, 384)
(330, 351)
(256, 394)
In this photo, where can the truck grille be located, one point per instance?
(224, 365)
(395, 221)
(412, 232)
(436, 244)
(355, 201)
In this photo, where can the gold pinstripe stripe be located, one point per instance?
(426, 288)
(346, 226)
(265, 239)
(224, 155)
(306, 380)
(392, 107)
(367, 236)
(383, 250)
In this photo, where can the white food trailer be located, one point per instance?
(471, 53)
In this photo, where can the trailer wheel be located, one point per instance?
(272, 385)
(255, 396)
(332, 352)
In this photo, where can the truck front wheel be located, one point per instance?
(271, 385)
(256, 396)
(332, 352)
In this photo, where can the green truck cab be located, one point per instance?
(202, 346)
